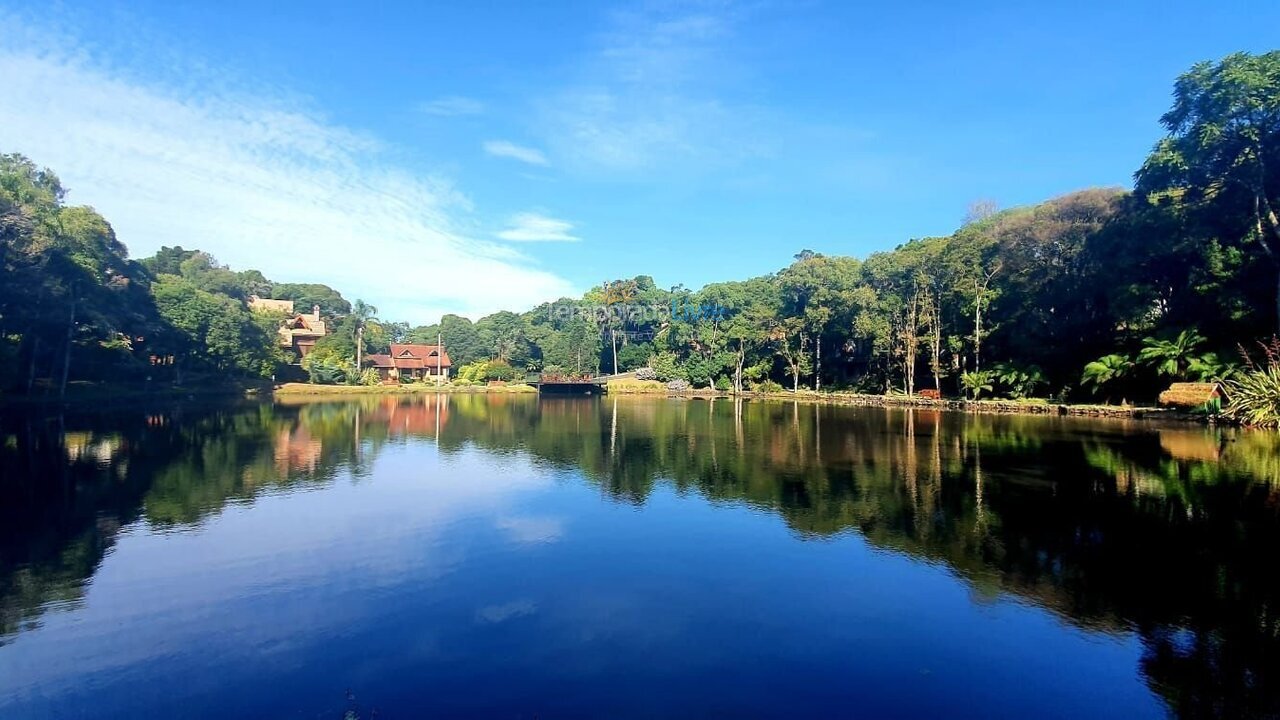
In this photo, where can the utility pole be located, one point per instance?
(439, 359)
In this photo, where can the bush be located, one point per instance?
(678, 385)
(499, 370)
(723, 384)
(975, 383)
(767, 386)
(646, 373)
(326, 372)
(473, 372)
(1253, 396)
(370, 377)
(665, 367)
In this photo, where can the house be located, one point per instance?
(407, 361)
(298, 331)
(1194, 396)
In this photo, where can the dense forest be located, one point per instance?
(1105, 294)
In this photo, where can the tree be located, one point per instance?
(1172, 357)
(1222, 151)
(1104, 373)
(363, 316)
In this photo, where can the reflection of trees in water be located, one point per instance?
(1113, 526)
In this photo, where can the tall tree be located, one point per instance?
(1222, 153)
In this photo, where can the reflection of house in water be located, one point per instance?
(299, 331)
(416, 416)
(296, 450)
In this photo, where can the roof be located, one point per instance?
(268, 305)
(426, 355)
(379, 361)
(1191, 394)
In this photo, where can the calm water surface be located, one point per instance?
(507, 556)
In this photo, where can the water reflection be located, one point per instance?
(1116, 527)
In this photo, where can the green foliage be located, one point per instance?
(666, 367)
(1171, 357)
(723, 384)
(473, 372)
(1103, 374)
(499, 370)
(1254, 396)
(977, 382)
(325, 371)
(767, 386)
(1018, 382)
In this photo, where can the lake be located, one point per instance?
(510, 556)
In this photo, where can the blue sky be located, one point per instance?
(468, 157)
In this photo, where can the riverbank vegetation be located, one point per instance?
(1102, 295)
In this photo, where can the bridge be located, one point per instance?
(573, 384)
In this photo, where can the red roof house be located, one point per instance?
(410, 361)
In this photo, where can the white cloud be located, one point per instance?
(451, 106)
(259, 182)
(502, 148)
(657, 98)
(534, 227)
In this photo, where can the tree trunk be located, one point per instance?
(613, 338)
(977, 335)
(739, 360)
(31, 365)
(359, 347)
(817, 364)
(66, 353)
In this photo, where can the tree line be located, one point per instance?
(1104, 293)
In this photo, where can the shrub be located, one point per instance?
(665, 367)
(499, 370)
(975, 383)
(646, 373)
(723, 384)
(473, 372)
(767, 386)
(678, 385)
(370, 377)
(326, 372)
(1253, 396)
(1017, 382)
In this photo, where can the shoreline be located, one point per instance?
(122, 396)
(985, 407)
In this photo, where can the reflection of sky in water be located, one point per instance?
(491, 583)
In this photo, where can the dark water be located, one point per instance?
(508, 557)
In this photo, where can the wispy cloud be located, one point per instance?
(452, 106)
(535, 227)
(503, 148)
(260, 182)
(657, 95)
